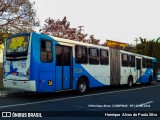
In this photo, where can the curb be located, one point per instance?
(7, 92)
(3, 94)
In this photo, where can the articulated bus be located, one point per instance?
(41, 63)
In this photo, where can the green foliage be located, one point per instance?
(148, 47)
(129, 48)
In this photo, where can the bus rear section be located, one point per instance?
(136, 69)
(16, 64)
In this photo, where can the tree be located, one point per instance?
(129, 48)
(148, 47)
(61, 28)
(92, 40)
(17, 16)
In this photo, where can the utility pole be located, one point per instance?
(136, 39)
(80, 29)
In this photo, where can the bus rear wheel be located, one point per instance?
(82, 86)
(130, 82)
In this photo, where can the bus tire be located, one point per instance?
(130, 82)
(149, 80)
(82, 86)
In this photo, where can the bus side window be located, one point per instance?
(104, 58)
(148, 63)
(143, 62)
(132, 61)
(46, 51)
(81, 55)
(93, 56)
(124, 60)
(59, 55)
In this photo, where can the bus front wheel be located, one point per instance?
(82, 86)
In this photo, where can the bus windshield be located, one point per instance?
(17, 46)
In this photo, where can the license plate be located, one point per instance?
(15, 73)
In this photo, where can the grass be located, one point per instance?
(1, 81)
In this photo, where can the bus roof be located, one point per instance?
(78, 43)
(81, 43)
(97, 46)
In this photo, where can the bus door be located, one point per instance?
(139, 69)
(155, 70)
(63, 67)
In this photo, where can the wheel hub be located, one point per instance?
(82, 87)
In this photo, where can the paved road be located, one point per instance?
(139, 99)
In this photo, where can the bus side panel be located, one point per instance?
(34, 58)
(45, 81)
(145, 77)
(58, 78)
(67, 79)
(88, 71)
(98, 75)
(42, 73)
(125, 73)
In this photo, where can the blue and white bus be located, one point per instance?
(41, 63)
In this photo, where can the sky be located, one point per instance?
(119, 20)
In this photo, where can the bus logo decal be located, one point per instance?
(49, 82)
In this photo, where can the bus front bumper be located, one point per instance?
(28, 85)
